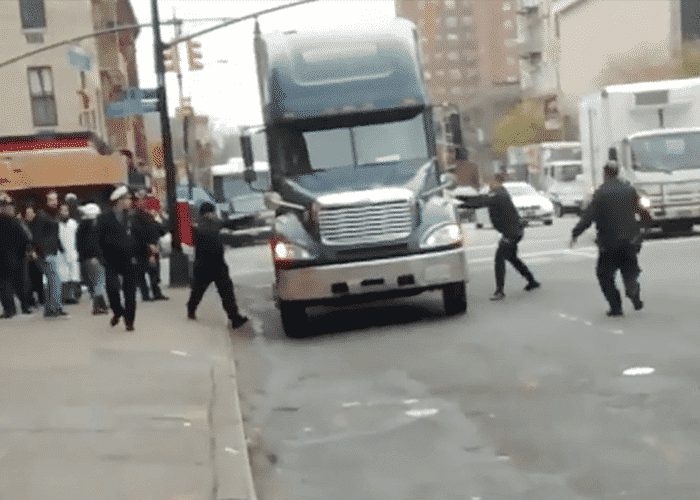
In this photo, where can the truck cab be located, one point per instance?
(357, 192)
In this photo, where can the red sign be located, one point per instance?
(31, 144)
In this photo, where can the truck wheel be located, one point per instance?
(558, 210)
(548, 222)
(479, 225)
(454, 298)
(294, 319)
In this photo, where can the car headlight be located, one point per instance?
(283, 251)
(442, 236)
(645, 202)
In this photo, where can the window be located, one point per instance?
(453, 55)
(507, 5)
(42, 96)
(508, 24)
(467, 20)
(440, 73)
(455, 74)
(33, 14)
(450, 4)
(452, 37)
(451, 22)
(510, 61)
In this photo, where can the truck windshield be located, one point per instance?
(230, 186)
(357, 146)
(562, 153)
(668, 152)
(568, 173)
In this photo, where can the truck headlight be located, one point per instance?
(442, 236)
(645, 202)
(283, 251)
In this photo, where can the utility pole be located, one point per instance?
(179, 264)
(184, 111)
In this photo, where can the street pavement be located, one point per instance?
(92, 412)
(538, 397)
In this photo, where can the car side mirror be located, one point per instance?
(272, 200)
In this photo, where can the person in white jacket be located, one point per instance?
(69, 269)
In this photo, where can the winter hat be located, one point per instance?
(90, 211)
(206, 208)
(118, 193)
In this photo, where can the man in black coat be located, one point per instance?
(614, 209)
(122, 236)
(13, 247)
(48, 247)
(506, 220)
(209, 265)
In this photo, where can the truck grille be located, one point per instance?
(357, 225)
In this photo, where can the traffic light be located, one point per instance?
(194, 55)
(171, 57)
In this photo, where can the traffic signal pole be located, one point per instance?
(179, 263)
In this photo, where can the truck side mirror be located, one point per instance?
(249, 174)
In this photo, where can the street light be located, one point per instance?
(194, 55)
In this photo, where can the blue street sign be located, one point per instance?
(132, 104)
(79, 59)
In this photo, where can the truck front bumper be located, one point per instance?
(396, 276)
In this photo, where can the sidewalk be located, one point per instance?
(92, 412)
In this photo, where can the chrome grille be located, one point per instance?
(363, 224)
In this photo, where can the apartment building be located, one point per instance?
(66, 89)
(469, 53)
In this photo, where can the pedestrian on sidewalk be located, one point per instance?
(149, 262)
(122, 235)
(36, 276)
(506, 220)
(13, 245)
(90, 257)
(49, 249)
(70, 267)
(616, 210)
(209, 266)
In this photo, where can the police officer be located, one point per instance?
(123, 237)
(209, 266)
(614, 209)
(506, 220)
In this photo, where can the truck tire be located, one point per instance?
(294, 319)
(548, 222)
(454, 298)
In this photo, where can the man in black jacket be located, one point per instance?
(48, 246)
(87, 239)
(506, 220)
(122, 236)
(209, 265)
(614, 209)
(13, 248)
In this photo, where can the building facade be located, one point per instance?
(568, 48)
(469, 53)
(66, 89)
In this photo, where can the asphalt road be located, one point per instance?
(538, 397)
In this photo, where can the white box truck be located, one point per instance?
(653, 130)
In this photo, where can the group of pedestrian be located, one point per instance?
(616, 210)
(47, 253)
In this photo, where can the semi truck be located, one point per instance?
(652, 130)
(360, 206)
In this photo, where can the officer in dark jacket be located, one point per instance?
(614, 209)
(506, 220)
(122, 236)
(209, 265)
(13, 248)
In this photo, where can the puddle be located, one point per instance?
(638, 370)
(422, 412)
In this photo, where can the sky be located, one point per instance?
(226, 89)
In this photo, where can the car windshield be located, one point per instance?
(381, 143)
(520, 189)
(562, 153)
(199, 194)
(568, 173)
(666, 152)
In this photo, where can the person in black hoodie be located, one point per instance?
(506, 220)
(36, 276)
(209, 266)
(122, 235)
(90, 257)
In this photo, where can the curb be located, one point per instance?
(233, 477)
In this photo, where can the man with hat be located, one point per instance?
(90, 257)
(209, 265)
(13, 248)
(615, 209)
(122, 237)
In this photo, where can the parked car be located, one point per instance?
(531, 204)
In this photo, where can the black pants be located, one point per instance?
(36, 282)
(20, 284)
(623, 258)
(122, 280)
(203, 276)
(508, 251)
(7, 299)
(153, 272)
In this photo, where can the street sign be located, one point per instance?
(79, 59)
(134, 103)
